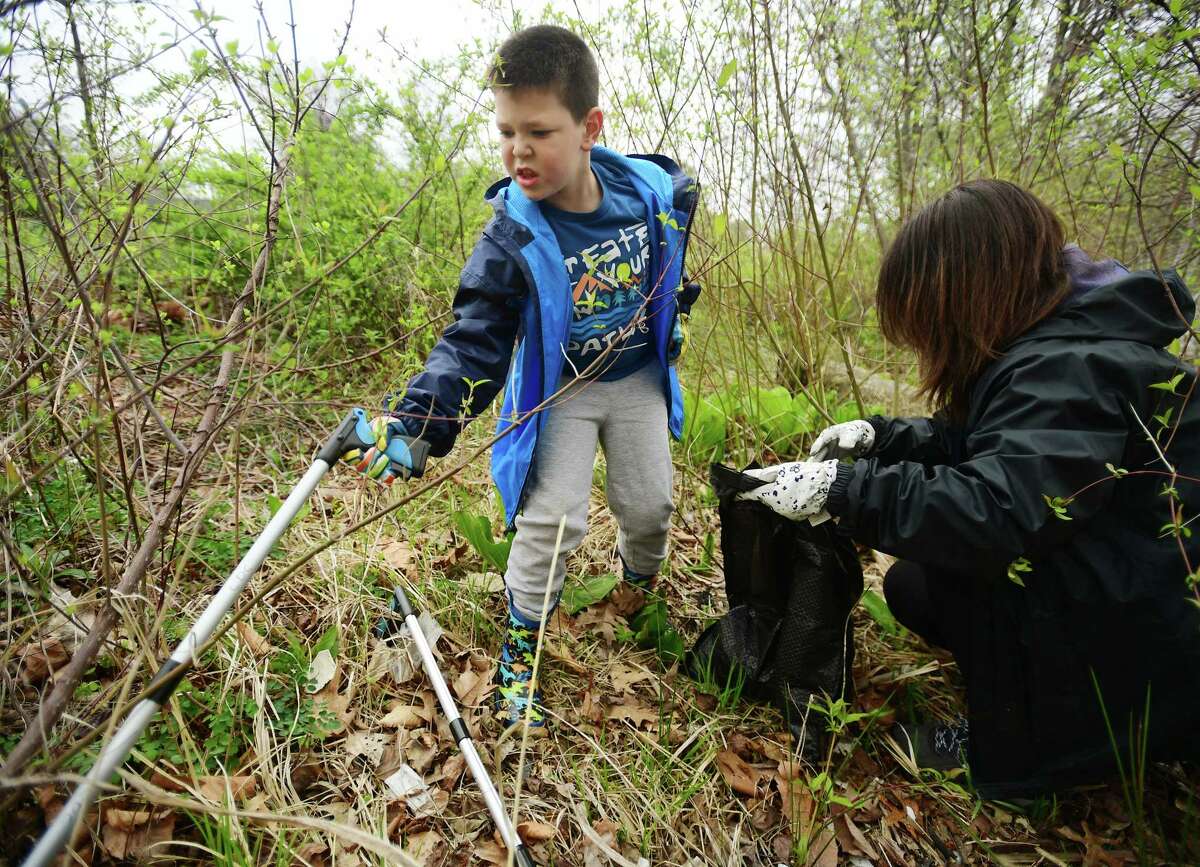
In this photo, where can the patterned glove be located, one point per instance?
(851, 439)
(796, 490)
(394, 453)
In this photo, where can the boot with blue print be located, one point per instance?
(514, 676)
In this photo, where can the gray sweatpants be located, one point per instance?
(628, 418)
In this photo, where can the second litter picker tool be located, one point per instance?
(458, 728)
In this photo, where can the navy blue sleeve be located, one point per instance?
(476, 348)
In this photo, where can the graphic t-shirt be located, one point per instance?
(607, 254)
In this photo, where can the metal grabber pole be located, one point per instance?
(458, 728)
(350, 436)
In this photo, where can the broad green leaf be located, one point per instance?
(653, 631)
(704, 426)
(772, 412)
(327, 641)
(477, 529)
(719, 224)
(587, 591)
(877, 607)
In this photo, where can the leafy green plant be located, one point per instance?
(578, 595)
(1058, 506)
(704, 427)
(296, 716)
(877, 607)
(477, 530)
(774, 414)
(727, 687)
(652, 630)
(1017, 568)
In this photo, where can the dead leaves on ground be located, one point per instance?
(40, 659)
(1094, 852)
(742, 778)
(435, 812)
(134, 833)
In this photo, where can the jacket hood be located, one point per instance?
(1136, 307)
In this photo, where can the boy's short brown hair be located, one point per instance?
(549, 57)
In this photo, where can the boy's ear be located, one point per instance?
(593, 125)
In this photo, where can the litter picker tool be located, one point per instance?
(353, 436)
(458, 728)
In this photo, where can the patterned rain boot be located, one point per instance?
(515, 672)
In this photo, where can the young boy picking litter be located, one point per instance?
(580, 269)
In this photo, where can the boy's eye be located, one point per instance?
(506, 133)
(541, 133)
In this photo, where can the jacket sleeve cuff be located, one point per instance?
(839, 491)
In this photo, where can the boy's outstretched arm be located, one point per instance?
(468, 366)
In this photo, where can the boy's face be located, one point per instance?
(544, 149)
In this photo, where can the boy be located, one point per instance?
(580, 267)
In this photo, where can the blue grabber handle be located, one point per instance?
(354, 437)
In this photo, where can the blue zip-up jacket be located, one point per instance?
(514, 292)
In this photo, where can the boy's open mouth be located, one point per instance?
(526, 177)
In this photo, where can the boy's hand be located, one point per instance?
(394, 454)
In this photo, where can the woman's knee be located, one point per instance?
(906, 590)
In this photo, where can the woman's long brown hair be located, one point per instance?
(964, 278)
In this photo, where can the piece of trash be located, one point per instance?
(320, 672)
(369, 746)
(485, 582)
(399, 657)
(407, 784)
(432, 629)
(399, 663)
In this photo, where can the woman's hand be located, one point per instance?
(795, 490)
(851, 439)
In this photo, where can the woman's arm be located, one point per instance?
(923, 440)
(1032, 442)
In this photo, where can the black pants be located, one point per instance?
(917, 598)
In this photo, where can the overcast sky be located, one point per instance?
(417, 30)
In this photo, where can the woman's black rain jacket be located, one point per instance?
(1105, 613)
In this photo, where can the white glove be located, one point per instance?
(797, 490)
(850, 439)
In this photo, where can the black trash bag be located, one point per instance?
(791, 586)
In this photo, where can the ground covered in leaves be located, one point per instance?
(304, 740)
